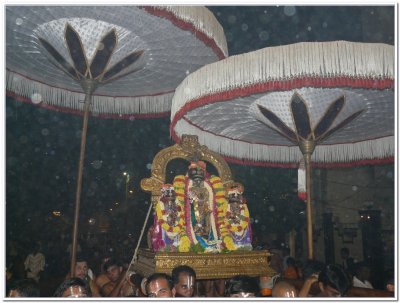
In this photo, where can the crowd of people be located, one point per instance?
(197, 214)
(292, 279)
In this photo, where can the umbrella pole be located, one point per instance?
(134, 258)
(307, 162)
(307, 148)
(89, 88)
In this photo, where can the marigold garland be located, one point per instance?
(244, 220)
(229, 244)
(161, 213)
(221, 207)
(179, 185)
(184, 243)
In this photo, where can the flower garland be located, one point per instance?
(244, 220)
(162, 218)
(184, 243)
(179, 186)
(221, 206)
(188, 215)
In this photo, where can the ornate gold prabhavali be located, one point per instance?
(206, 265)
(189, 149)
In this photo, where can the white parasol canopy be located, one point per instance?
(113, 61)
(173, 41)
(229, 104)
(327, 102)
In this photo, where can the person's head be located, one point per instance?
(362, 271)
(344, 252)
(242, 286)
(283, 289)
(291, 271)
(300, 267)
(24, 288)
(197, 171)
(113, 269)
(160, 285)
(136, 279)
(390, 285)
(234, 193)
(184, 278)
(291, 262)
(276, 260)
(73, 288)
(81, 267)
(333, 281)
(266, 284)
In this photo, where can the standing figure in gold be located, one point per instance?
(203, 198)
(199, 200)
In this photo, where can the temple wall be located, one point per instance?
(344, 192)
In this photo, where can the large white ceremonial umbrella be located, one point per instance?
(330, 103)
(112, 61)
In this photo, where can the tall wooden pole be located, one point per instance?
(89, 87)
(307, 163)
(307, 148)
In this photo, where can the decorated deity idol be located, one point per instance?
(168, 228)
(237, 217)
(204, 201)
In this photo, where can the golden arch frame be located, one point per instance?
(188, 149)
(207, 266)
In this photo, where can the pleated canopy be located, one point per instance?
(136, 55)
(255, 108)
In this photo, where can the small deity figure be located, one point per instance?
(237, 217)
(202, 197)
(168, 221)
(199, 196)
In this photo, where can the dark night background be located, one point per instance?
(42, 146)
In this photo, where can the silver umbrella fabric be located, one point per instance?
(222, 104)
(173, 41)
(330, 103)
(111, 61)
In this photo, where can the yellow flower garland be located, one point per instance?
(225, 235)
(221, 205)
(184, 243)
(164, 224)
(244, 222)
(179, 186)
(230, 245)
